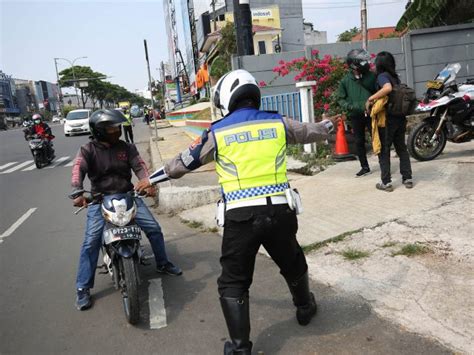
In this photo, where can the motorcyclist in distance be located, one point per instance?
(42, 129)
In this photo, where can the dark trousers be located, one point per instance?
(246, 228)
(394, 133)
(128, 133)
(359, 124)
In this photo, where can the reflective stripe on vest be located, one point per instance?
(251, 155)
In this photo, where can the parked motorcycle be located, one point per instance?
(121, 248)
(451, 108)
(42, 150)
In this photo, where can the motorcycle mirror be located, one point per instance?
(75, 194)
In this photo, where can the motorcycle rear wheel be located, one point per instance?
(130, 299)
(419, 144)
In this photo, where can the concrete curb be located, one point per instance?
(173, 199)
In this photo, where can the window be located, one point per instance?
(261, 47)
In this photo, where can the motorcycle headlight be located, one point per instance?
(121, 217)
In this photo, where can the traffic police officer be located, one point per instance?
(249, 147)
(127, 126)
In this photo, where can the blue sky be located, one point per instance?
(111, 33)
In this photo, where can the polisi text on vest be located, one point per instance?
(244, 137)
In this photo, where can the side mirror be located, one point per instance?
(76, 193)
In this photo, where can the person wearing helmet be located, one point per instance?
(354, 90)
(41, 128)
(127, 126)
(109, 162)
(249, 147)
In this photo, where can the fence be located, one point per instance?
(288, 104)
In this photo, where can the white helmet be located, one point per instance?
(234, 87)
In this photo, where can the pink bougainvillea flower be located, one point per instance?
(262, 84)
(314, 52)
(326, 107)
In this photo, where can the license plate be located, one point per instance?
(121, 233)
(434, 84)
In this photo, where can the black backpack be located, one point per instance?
(401, 101)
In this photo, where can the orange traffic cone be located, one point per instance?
(341, 148)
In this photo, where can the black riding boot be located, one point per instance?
(302, 299)
(237, 317)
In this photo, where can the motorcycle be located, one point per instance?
(42, 150)
(121, 249)
(451, 108)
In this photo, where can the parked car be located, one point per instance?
(56, 119)
(77, 121)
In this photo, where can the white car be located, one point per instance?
(76, 122)
(56, 119)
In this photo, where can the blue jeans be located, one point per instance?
(93, 240)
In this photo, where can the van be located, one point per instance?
(76, 122)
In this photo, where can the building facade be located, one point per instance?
(291, 20)
(313, 37)
(8, 105)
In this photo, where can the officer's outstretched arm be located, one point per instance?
(303, 133)
(199, 153)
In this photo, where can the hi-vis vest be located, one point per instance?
(129, 119)
(250, 154)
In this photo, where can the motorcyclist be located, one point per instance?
(354, 90)
(109, 162)
(42, 129)
(255, 188)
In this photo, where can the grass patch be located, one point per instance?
(204, 115)
(353, 254)
(192, 224)
(319, 245)
(389, 244)
(320, 159)
(212, 230)
(412, 250)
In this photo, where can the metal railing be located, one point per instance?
(288, 105)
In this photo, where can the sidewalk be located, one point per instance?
(429, 294)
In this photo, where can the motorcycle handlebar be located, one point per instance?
(97, 197)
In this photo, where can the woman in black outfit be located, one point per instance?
(395, 128)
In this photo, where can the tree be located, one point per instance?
(432, 13)
(227, 46)
(81, 72)
(347, 36)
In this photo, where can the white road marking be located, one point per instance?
(4, 166)
(17, 167)
(15, 225)
(156, 303)
(57, 162)
(33, 167)
(71, 163)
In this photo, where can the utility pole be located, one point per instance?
(363, 22)
(163, 82)
(243, 27)
(213, 5)
(149, 86)
(59, 88)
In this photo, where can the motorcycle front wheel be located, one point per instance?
(420, 145)
(130, 299)
(38, 160)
